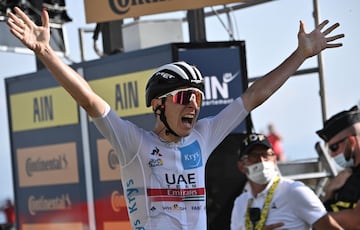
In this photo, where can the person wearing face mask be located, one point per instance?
(271, 201)
(342, 193)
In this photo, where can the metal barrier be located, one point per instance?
(314, 172)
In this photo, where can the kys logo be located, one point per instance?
(217, 91)
(191, 156)
(124, 6)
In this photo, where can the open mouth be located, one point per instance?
(188, 119)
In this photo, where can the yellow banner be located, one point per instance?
(42, 109)
(102, 11)
(124, 93)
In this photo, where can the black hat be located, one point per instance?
(252, 140)
(339, 122)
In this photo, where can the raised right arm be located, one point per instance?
(37, 38)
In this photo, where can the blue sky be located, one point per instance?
(269, 31)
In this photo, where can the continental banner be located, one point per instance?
(47, 154)
(47, 165)
(109, 167)
(102, 11)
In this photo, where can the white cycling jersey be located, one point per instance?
(164, 183)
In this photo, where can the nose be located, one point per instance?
(260, 158)
(193, 100)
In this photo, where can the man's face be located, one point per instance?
(182, 117)
(337, 145)
(259, 164)
(257, 154)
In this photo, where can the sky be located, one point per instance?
(270, 34)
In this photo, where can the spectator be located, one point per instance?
(271, 201)
(9, 210)
(342, 194)
(276, 141)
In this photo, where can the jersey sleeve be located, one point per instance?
(124, 136)
(306, 204)
(215, 129)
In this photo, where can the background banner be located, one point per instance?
(102, 11)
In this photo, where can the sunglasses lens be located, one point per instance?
(184, 97)
(334, 147)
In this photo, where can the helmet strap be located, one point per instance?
(161, 108)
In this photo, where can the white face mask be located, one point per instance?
(342, 162)
(262, 172)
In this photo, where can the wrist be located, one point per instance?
(42, 51)
(299, 54)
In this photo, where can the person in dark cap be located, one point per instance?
(271, 201)
(341, 195)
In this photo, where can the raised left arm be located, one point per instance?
(309, 45)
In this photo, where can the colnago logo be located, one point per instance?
(43, 204)
(113, 159)
(216, 92)
(43, 165)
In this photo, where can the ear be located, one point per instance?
(241, 166)
(155, 103)
(352, 140)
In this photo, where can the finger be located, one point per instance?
(334, 45)
(15, 31)
(323, 24)
(302, 27)
(23, 16)
(330, 39)
(15, 20)
(45, 18)
(274, 226)
(331, 45)
(277, 225)
(331, 28)
(16, 25)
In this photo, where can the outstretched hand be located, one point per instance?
(34, 37)
(313, 43)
